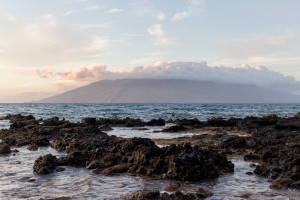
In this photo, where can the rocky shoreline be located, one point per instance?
(271, 140)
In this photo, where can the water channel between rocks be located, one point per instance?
(17, 180)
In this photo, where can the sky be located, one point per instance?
(48, 47)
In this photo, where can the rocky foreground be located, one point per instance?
(271, 140)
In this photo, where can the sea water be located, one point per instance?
(75, 112)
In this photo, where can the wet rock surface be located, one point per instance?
(4, 148)
(45, 164)
(156, 195)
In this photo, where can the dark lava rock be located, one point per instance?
(32, 148)
(45, 164)
(60, 169)
(251, 156)
(105, 127)
(127, 122)
(156, 195)
(143, 195)
(41, 142)
(188, 122)
(4, 148)
(261, 170)
(194, 165)
(141, 129)
(234, 142)
(171, 187)
(93, 165)
(175, 128)
(203, 193)
(156, 122)
(89, 120)
(117, 169)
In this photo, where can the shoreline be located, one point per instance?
(271, 140)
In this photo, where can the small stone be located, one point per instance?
(249, 173)
(171, 187)
(203, 193)
(252, 165)
(93, 165)
(32, 148)
(60, 169)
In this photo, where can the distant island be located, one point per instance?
(170, 91)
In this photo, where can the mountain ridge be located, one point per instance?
(170, 91)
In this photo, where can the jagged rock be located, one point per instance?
(45, 164)
(105, 127)
(156, 122)
(88, 120)
(143, 195)
(117, 169)
(175, 128)
(234, 142)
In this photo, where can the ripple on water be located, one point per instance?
(19, 182)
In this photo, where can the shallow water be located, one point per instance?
(19, 182)
(152, 133)
(4, 124)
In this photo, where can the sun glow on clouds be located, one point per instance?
(245, 74)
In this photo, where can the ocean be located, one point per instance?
(75, 112)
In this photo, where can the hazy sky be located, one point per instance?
(47, 47)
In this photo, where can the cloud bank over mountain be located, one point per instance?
(245, 74)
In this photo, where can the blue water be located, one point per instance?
(75, 112)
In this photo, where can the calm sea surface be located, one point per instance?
(75, 112)
(17, 180)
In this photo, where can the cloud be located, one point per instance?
(115, 10)
(161, 16)
(193, 7)
(46, 72)
(181, 15)
(259, 46)
(245, 74)
(45, 41)
(158, 36)
(91, 73)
